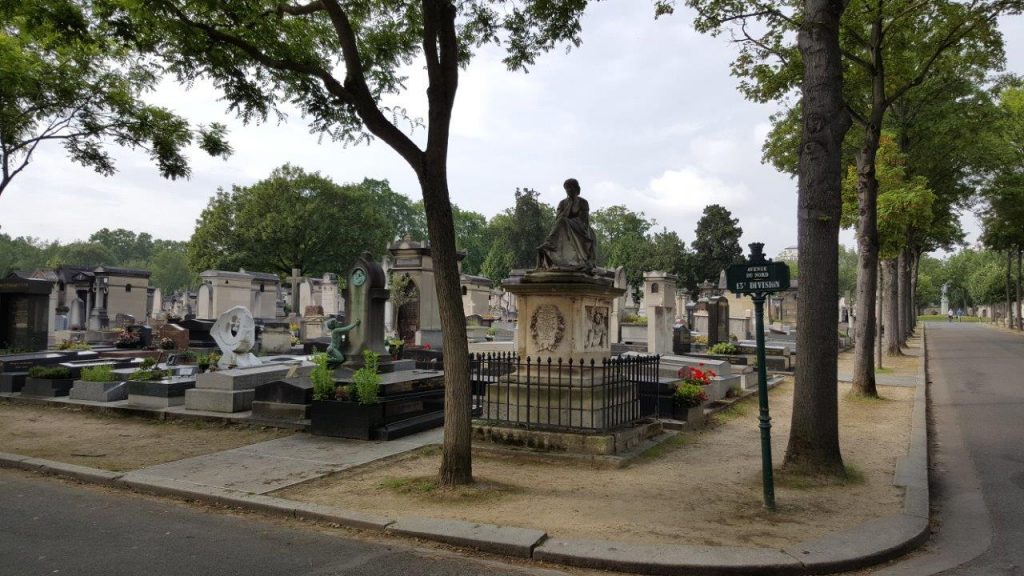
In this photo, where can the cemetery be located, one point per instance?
(589, 386)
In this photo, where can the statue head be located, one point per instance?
(572, 187)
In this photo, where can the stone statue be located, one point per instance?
(235, 333)
(335, 357)
(570, 245)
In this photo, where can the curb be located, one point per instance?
(875, 541)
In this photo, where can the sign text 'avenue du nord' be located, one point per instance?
(757, 277)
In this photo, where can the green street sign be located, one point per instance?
(757, 278)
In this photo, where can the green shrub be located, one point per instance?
(71, 345)
(635, 319)
(145, 375)
(148, 363)
(723, 348)
(366, 380)
(103, 373)
(689, 395)
(702, 340)
(322, 378)
(49, 372)
(492, 331)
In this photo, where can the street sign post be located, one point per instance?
(759, 277)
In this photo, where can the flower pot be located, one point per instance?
(344, 419)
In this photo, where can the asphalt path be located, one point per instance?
(977, 415)
(49, 526)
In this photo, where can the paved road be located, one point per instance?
(53, 527)
(977, 410)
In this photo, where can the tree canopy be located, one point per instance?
(68, 78)
(292, 219)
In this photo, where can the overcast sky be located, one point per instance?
(644, 113)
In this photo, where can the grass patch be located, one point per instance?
(857, 398)
(883, 370)
(799, 481)
(426, 487)
(737, 409)
(943, 318)
(418, 485)
(670, 445)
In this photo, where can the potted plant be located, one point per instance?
(395, 346)
(48, 381)
(128, 339)
(167, 344)
(352, 411)
(687, 403)
(723, 349)
(98, 383)
(203, 362)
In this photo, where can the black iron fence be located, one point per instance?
(566, 395)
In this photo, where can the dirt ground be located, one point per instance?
(702, 488)
(113, 442)
(903, 365)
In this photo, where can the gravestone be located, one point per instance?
(158, 303)
(235, 333)
(233, 390)
(204, 301)
(176, 334)
(276, 338)
(366, 297)
(284, 399)
(660, 296)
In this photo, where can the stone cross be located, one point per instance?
(295, 279)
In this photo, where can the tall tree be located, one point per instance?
(517, 232)
(68, 79)
(622, 240)
(772, 67)
(716, 244)
(335, 60)
(292, 219)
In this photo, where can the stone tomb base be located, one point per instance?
(233, 390)
(159, 393)
(99, 391)
(563, 315)
(613, 442)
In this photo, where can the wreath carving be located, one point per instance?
(547, 326)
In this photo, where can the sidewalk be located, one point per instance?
(242, 477)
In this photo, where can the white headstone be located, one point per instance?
(235, 333)
(329, 295)
(204, 303)
(158, 303)
(305, 297)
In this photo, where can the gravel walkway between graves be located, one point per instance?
(116, 443)
(704, 489)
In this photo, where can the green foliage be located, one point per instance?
(322, 378)
(402, 290)
(292, 219)
(689, 395)
(716, 245)
(904, 203)
(69, 78)
(723, 348)
(635, 319)
(366, 380)
(73, 345)
(49, 372)
(103, 373)
(516, 233)
(148, 363)
(149, 375)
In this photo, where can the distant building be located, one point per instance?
(789, 253)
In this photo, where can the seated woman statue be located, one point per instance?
(570, 245)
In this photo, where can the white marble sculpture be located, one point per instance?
(235, 333)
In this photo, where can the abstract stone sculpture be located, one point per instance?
(235, 333)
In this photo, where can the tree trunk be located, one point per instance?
(902, 298)
(1020, 323)
(1007, 315)
(879, 319)
(891, 308)
(867, 266)
(814, 432)
(915, 261)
